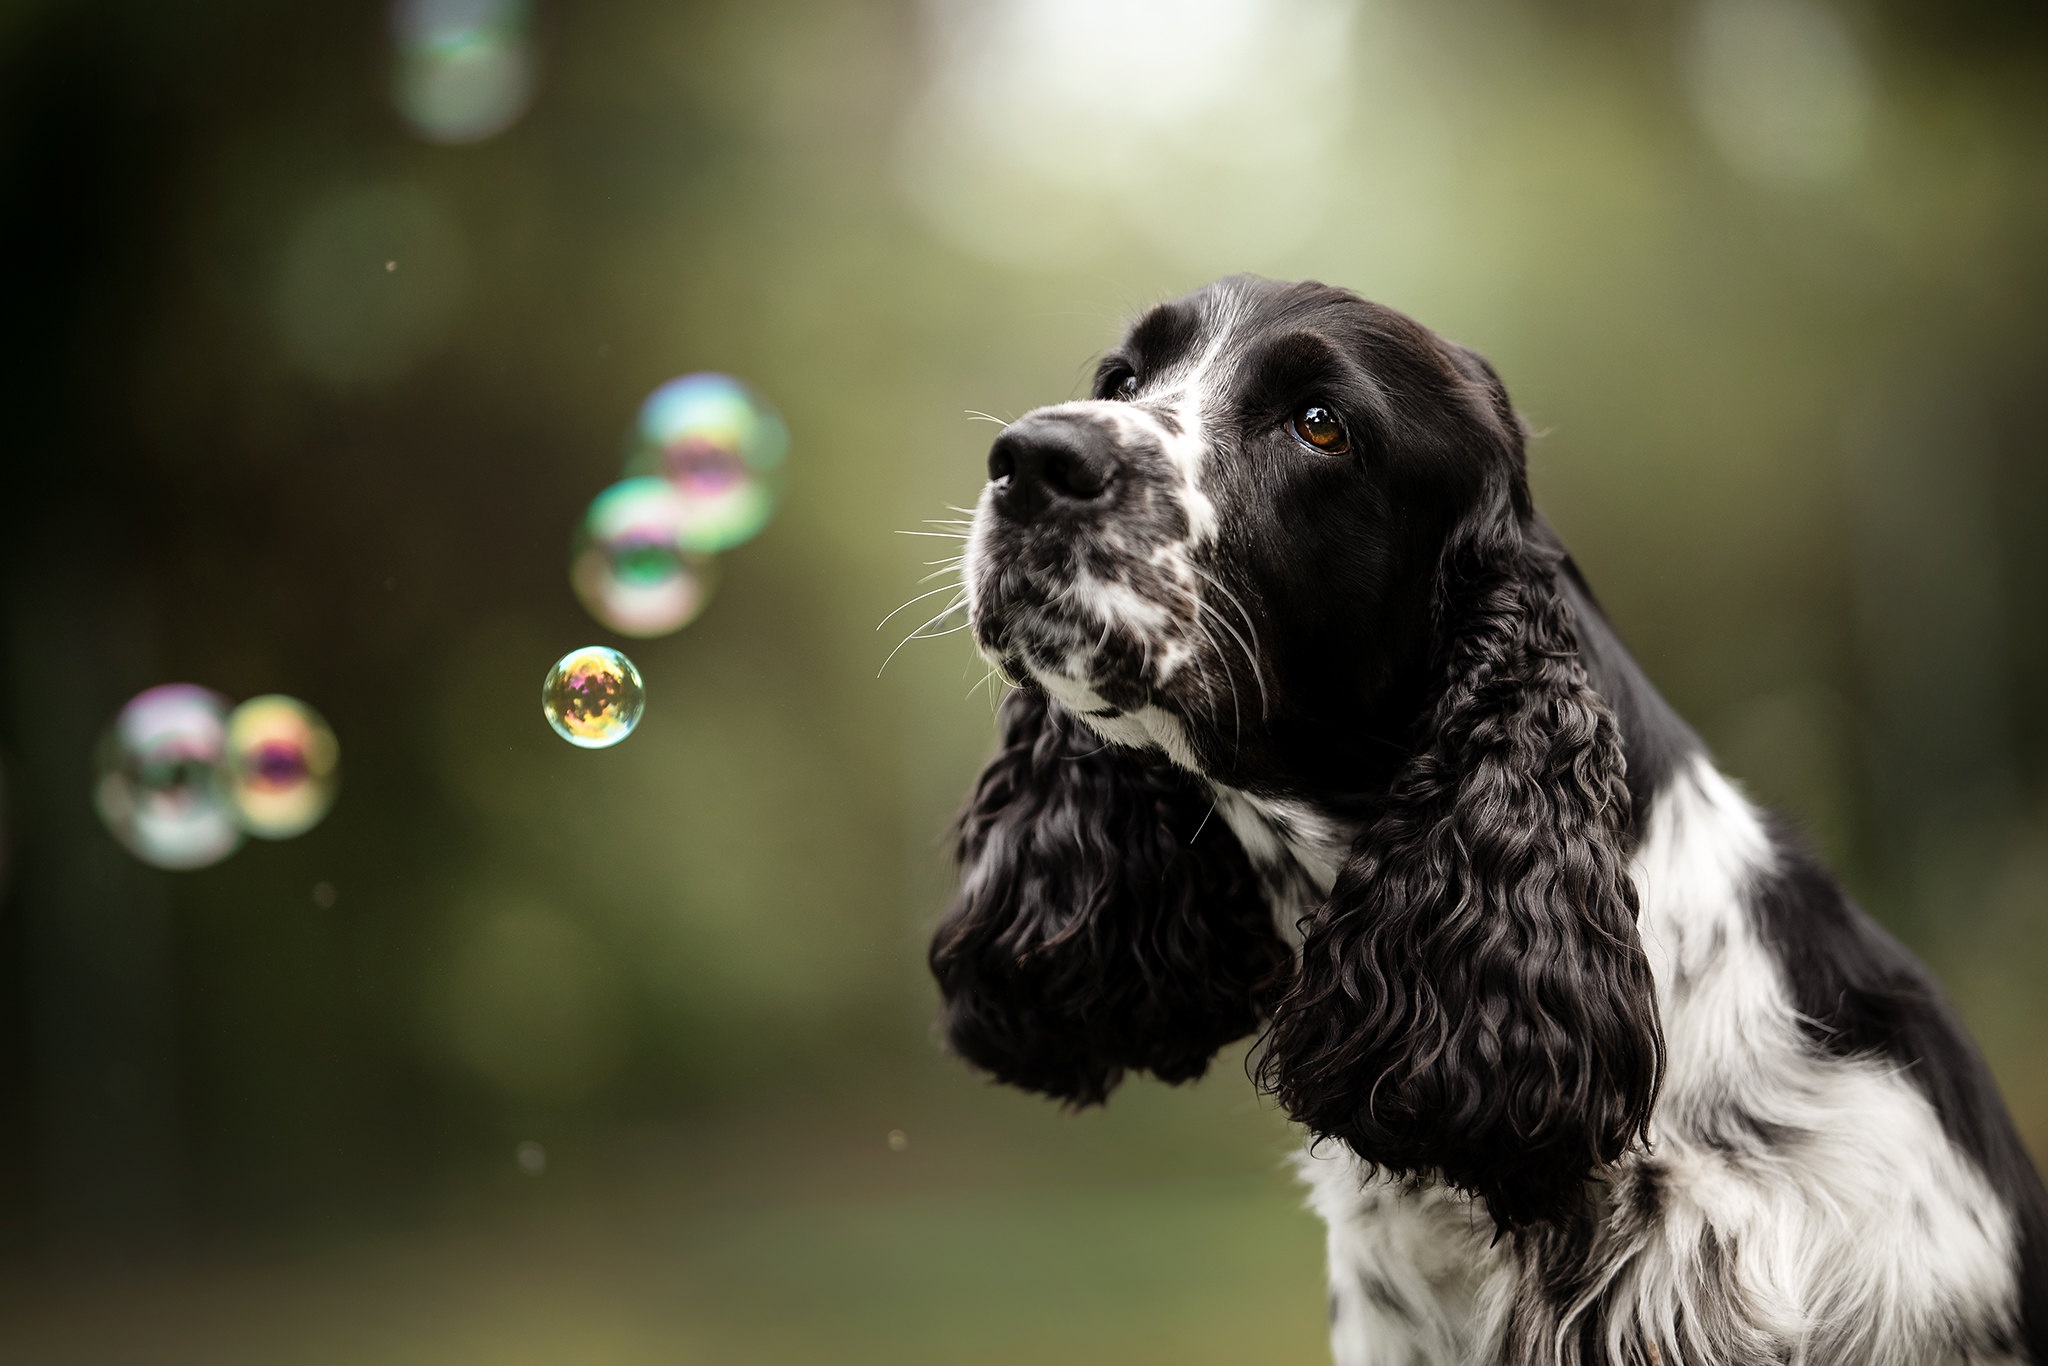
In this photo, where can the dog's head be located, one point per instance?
(1287, 549)
(1228, 550)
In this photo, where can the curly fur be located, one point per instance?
(1104, 923)
(1473, 1000)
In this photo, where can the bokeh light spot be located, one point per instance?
(1779, 87)
(340, 309)
(283, 766)
(1038, 142)
(628, 565)
(722, 447)
(593, 697)
(464, 67)
(162, 788)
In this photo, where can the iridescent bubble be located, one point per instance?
(722, 447)
(465, 69)
(283, 766)
(629, 567)
(593, 697)
(163, 786)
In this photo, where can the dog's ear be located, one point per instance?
(1473, 1000)
(1105, 922)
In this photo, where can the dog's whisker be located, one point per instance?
(986, 679)
(943, 535)
(951, 608)
(922, 634)
(1258, 675)
(986, 417)
(1251, 654)
(942, 588)
(1236, 718)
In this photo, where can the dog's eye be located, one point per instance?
(1122, 386)
(1319, 428)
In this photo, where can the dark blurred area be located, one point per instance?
(624, 1056)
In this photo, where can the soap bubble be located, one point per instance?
(593, 697)
(465, 69)
(722, 447)
(629, 567)
(163, 788)
(282, 761)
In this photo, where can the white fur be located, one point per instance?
(1147, 727)
(1849, 1236)
(1274, 830)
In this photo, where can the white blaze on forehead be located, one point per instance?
(1188, 391)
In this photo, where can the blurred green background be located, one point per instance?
(1770, 276)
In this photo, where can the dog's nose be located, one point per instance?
(1038, 464)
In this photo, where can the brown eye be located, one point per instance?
(1319, 428)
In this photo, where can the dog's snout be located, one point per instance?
(1037, 465)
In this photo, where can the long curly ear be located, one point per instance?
(1104, 922)
(1473, 1000)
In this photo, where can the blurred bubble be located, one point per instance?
(593, 697)
(343, 314)
(163, 787)
(629, 567)
(722, 447)
(282, 766)
(465, 67)
(1779, 87)
(325, 895)
(532, 1157)
(898, 1141)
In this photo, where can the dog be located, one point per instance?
(1317, 730)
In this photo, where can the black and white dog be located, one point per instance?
(1318, 728)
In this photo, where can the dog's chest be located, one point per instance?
(1296, 849)
(1412, 1266)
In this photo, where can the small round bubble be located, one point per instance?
(628, 566)
(722, 447)
(593, 697)
(283, 766)
(162, 784)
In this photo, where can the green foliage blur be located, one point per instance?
(530, 1054)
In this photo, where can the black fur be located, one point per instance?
(1105, 922)
(1472, 999)
(1655, 741)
